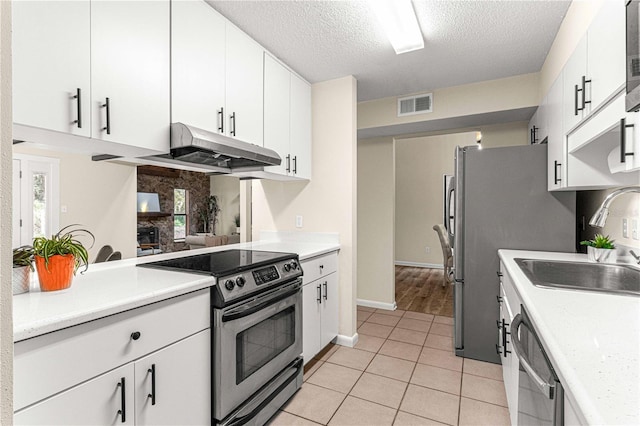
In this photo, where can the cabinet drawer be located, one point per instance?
(57, 361)
(319, 267)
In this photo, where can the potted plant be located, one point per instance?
(58, 258)
(22, 267)
(236, 219)
(209, 214)
(600, 249)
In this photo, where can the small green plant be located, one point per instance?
(599, 241)
(63, 243)
(236, 218)
(23, 256)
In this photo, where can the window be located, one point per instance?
(180, 214)
(35, 197)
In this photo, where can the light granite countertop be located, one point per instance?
(591, 338)
(113, 287)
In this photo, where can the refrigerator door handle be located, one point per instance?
(458, 243)
(447, 214)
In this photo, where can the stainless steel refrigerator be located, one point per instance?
(501, 201)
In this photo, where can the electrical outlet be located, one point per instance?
(625, 228)
(634, 229)
(427, 249)
(298, 221)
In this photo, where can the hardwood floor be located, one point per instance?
(420, 290)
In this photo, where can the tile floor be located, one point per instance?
(401, 372)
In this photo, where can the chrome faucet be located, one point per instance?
(600, 216)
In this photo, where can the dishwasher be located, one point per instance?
(540, 394)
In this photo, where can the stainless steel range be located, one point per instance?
(256, 328)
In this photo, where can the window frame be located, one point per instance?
(185, 214)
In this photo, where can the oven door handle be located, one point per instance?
(259, 304)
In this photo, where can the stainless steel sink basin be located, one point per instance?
(608, 278)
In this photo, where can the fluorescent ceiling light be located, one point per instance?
(400, 23)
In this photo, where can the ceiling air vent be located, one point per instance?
(415, 105)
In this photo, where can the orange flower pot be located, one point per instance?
(57, 274)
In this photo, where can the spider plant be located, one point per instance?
(63, 243)
(599, 241)
(23, 256)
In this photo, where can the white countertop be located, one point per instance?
(113, 287)
(592, 339)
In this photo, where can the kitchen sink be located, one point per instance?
(604, 277)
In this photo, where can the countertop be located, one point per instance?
(113, 287)
(592, 339)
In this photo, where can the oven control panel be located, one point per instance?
(244, 283)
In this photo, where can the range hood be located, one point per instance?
(215, 152)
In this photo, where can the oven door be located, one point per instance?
(254, 341)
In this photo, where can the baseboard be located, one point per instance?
(377, 305)
(419, 265)
(346, 340)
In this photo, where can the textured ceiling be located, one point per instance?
(465, 41)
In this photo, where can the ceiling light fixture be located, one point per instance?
(400, 23)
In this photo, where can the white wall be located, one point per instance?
(100, 196)
(6, 320)
(227, 189)
(327, 202)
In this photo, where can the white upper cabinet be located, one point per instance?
(197, 65)
(287, 119)
(606, 52)
(300, 127)
(244, 87)
(130, 72)
(573, 74)
(277, 104)
(51, 64)
(556, 165)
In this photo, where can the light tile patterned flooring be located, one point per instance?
(401, 372)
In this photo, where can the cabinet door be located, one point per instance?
(311, 296)
(51, 60)
(277, 81)
(542, 120)
(197, 65)
(244, 71)
(606, 52)
(96, 402)
(573, 71)
(556, 144)
(130, 66)
(173, 385)
(329, 328)
(300, 129)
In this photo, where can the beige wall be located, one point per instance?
(376, 181)
(327, 202)
(100, 196)
(478, 98)
(6, 320)
(573, 27)
(227, 188)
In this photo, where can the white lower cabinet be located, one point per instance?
(509, 308)
(99, 401)
(319, 304)
(138, 367)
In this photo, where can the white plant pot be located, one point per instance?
(601, 255)
(237, 229)
(20, 279)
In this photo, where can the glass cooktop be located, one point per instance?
(221, 263)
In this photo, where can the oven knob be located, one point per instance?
(287, 267)
(229, 284)
(240, 281)
(294, 265)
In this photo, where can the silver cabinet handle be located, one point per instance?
(319, 297)
(325, 290)
(623, 140)
(107, 106)
(547, 389)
